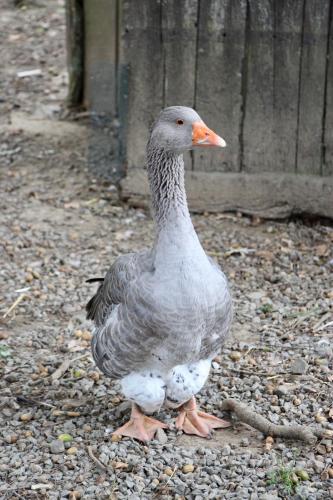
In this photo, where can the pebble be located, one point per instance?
(168, 471)
(72, 450)
(187, 468)
(161, 436)
(26, 417)
(57, 446)
(302, 474)
(11, 438)
(298, 366)
(226, 450)
(235, 355)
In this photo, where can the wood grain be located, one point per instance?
(327, 167)
(100, 77)
(312, 87)
(258, 137)
(218, 99)
(140, 47)
(287, 42)
(267, 195)
(75, 51)
(179, 35)
(179, 38)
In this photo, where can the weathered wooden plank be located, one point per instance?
(179, 35)
(141, 49)
(100, 42)
(100, 86)
(267, 195)
(287, 41)
(257, 134)
(75, 52)
(218, 79)
(327, 167)
(312, 86)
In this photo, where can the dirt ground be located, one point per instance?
(60, 226)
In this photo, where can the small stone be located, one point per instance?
(235, 356)
(282, 390)
(226, 450)
(269, 441)
(297, 401)
(294, 478)
(298, 366)
(168, 471)
(318, 466)
(188, 468)
(25, 417)
(115, 438)
(86, 335)
(72, 450)
(330, 472)
(161, 436)
(57, 446)
(302, 474)
(11, 438)
(320, 418)
(269, 388)
(321, 449)
(95, 376)
(324, 476)
(74, 495)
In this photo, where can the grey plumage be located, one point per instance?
(169, 305)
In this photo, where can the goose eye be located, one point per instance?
(180, 122)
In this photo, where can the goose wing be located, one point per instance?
(114, 286)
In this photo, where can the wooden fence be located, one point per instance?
(259, 72)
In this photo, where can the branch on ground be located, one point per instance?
(293, 431)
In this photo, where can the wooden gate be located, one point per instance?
(259, 72)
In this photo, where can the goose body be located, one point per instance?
(162, 314)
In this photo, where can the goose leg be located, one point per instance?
(140, 426)
(192, 421)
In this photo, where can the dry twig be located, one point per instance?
(15, 304)
(293, 431)
(96, 461)
(59, 372)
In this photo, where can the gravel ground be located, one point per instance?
(58, 227)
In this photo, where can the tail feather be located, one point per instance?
(93, 304)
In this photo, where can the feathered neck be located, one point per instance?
(166, 179)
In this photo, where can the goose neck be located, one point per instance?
(166, 179)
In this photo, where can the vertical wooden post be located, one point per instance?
(218, 99)
(312, 87)
(75, 51)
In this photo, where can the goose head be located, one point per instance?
(180, 129)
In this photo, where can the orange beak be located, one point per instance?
(203, 136)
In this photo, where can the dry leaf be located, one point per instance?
(119, 465)
(322, 250)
